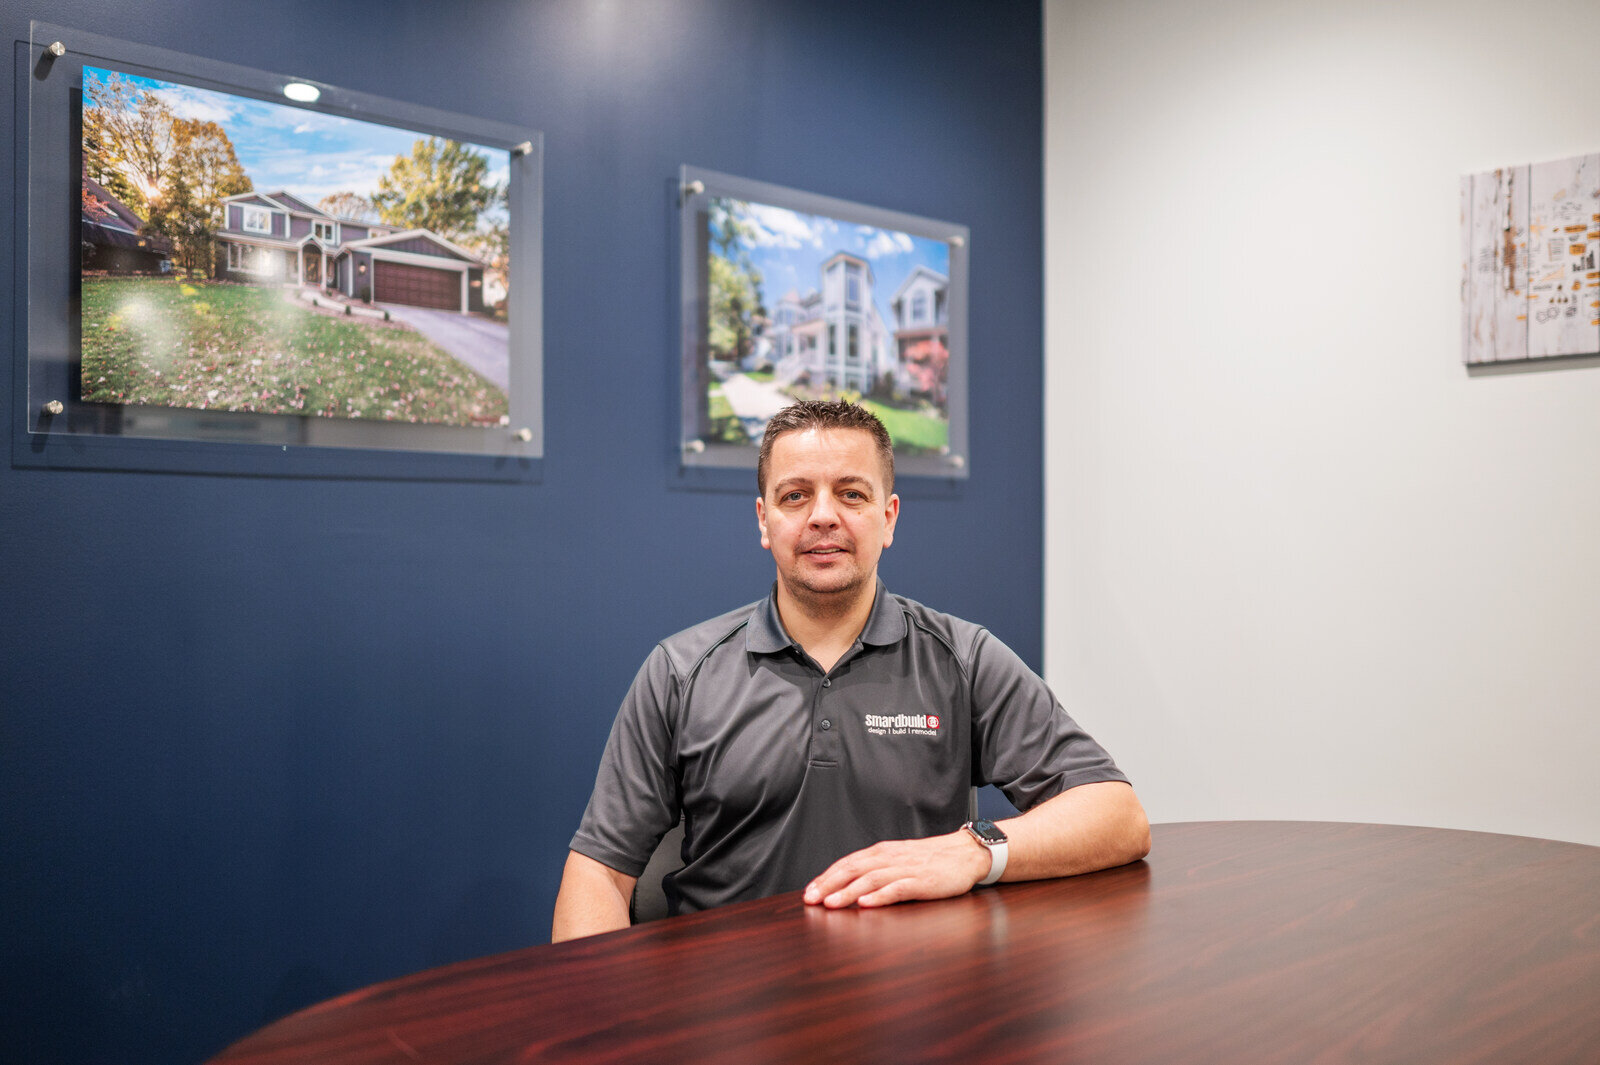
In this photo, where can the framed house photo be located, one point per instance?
(230, 270)
(790, 295)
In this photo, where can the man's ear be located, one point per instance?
(761, 523)
(892, 517)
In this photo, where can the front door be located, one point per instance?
(312, 271)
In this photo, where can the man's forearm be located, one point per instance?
(1089, 827)
(593, 899)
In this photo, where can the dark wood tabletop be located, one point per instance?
(1234, 942)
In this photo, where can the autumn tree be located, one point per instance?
(127, 138)
(442, 185)
(203, 170)
(491, 240)
(350, 205)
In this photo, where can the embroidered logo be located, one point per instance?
(903, 724)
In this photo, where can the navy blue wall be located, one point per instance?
(269, 739)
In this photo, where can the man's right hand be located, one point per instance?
(593, 899)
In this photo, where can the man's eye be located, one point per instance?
(792, 497)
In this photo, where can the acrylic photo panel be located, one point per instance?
(791, 296)
(241, 255)
(230, 270)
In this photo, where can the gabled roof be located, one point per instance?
(847, 255)
(283, 201)
(935, 276)
(256, 194)
(112, 222)
(379, 241)
(106, 209)
(294, 203)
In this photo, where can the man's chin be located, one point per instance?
(825, 586)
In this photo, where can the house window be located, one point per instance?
(853, 351)
(244, 258)
(852, 286)
(257, 220)
(919, 307)
(327, 232)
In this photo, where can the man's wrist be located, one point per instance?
(989, 837)
(981, 860)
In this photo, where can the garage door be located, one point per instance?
(418, 286)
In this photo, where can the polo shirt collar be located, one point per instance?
(765, 634)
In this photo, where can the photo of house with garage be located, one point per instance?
(276, 237)
(242, 255)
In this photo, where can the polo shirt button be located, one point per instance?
(826, 683)
(826, 724)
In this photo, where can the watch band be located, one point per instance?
(997, 864)
(995, 842)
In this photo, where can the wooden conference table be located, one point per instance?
(1236, 942)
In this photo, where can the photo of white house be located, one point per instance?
(863, 314)
(834, 335)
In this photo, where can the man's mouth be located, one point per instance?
(826, 549)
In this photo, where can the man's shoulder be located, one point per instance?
(687, 647)
(959, 635)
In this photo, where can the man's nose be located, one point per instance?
(823, 512)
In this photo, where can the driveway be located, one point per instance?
(482, 344)
(753, 402)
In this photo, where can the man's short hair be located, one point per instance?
(825, 414)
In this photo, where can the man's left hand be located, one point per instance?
(899, 870)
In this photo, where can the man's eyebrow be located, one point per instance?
(791, 482)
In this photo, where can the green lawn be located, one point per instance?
(725, 428)
(217, 346)
(911, 430)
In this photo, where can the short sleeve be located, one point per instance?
(1025, 743)
(635, 798)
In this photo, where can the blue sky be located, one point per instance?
(307, 153)
(789, 248)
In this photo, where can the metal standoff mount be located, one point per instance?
(524, 434)
(693, 188)
(54, 407)
(694, 447)
(522, 149)
(57, 49)
(958, 461)
(958, 241)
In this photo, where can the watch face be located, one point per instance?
(988, 830)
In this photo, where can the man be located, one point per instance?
(826, 736)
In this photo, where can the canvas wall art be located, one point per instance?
(1531, 278)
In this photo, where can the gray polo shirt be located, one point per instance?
(779, 768)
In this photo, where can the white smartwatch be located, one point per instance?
(989, 834)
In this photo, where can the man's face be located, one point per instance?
(827, 514)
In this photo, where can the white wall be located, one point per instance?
(1299, 564)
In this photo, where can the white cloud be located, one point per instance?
(887, 242)
(197, 104)
(778, 227)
